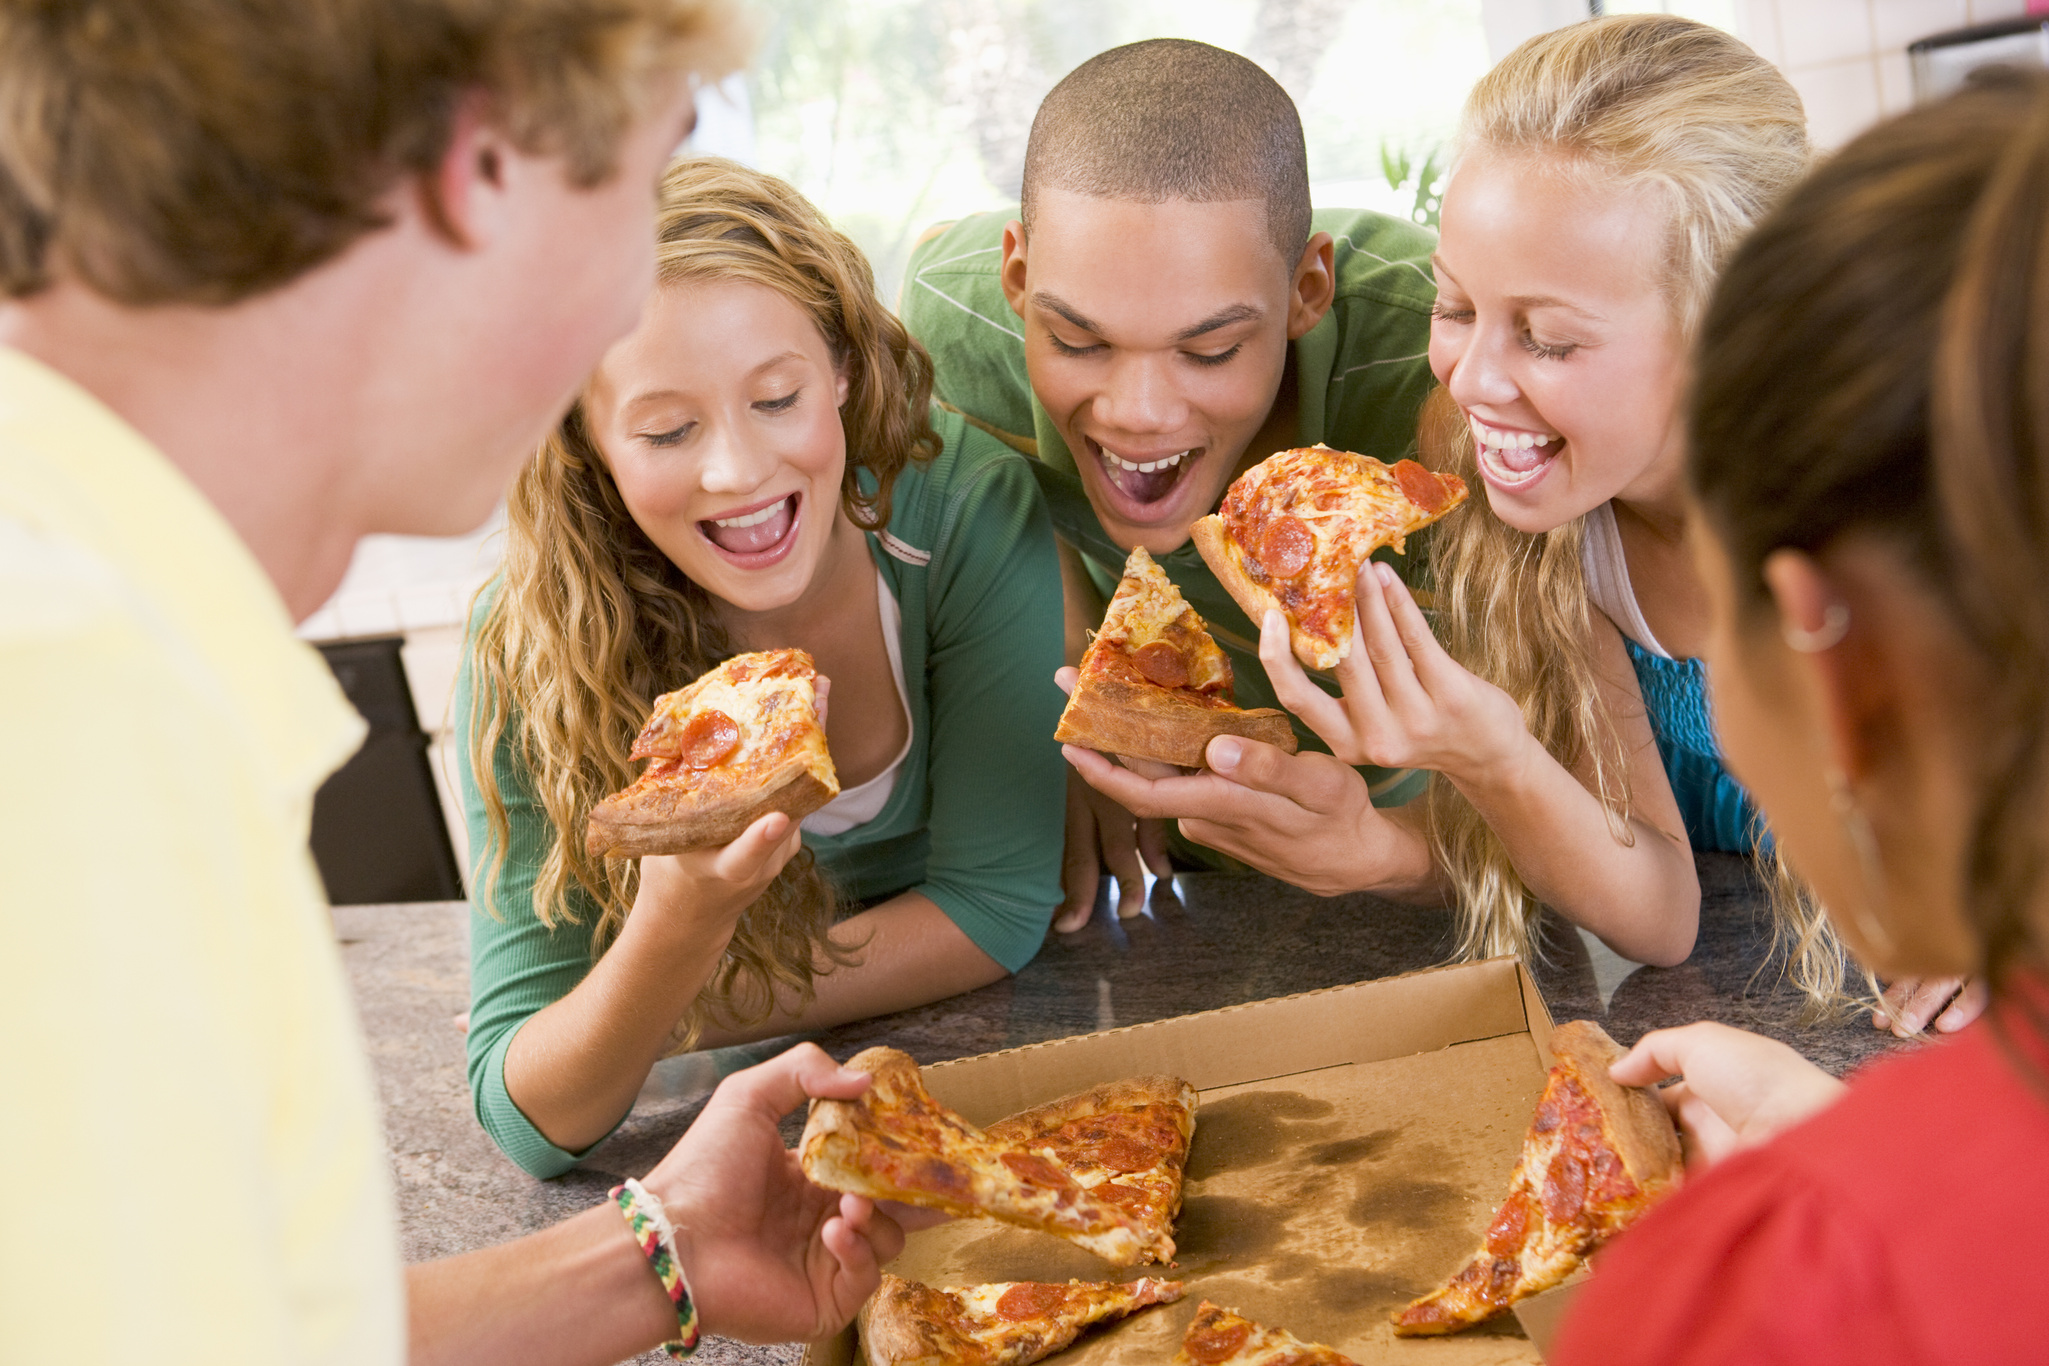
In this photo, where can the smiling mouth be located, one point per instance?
(1145, 479)
(753, 533)
(1512, 457)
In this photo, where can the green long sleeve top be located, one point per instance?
(974, 821)
(1362, 374)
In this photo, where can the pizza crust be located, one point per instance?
(647, 820)
(1639, 1124)
(1228, 564)
(894, 1332)
(1121, 718)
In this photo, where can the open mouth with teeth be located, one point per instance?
(1143, 478)
(1510, 458)
(757, 536)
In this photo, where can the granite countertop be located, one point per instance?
(1206, 940)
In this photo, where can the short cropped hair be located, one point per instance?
(1173, 119)
(204, 151)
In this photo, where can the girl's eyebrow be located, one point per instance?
(1549, 301)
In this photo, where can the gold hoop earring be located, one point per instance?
(1835, 624)
(1864, 841)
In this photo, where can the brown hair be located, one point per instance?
(1641, 100)
(204, 151)
(1877, 362)
(1170, 118)
(591, 621)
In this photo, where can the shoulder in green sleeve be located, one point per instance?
(1365, 369)
(953, 304)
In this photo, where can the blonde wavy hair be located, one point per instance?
(1713, 130)
(590, 622)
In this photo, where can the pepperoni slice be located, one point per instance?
(709, 739)
(1163, 664)
(1216, 1342)
(1128, 1198)
(1029, 1299)
(1510, 1227)
(1420, 486)
(1565, 1187)
(1122, 1154)
(1036, 1170)
(1286, 548)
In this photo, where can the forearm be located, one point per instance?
(1641, 898)
(575, 1067)
(907, 952)
(575, 1293)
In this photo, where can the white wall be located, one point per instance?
(1848, 58)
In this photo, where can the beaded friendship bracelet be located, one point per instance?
(657, 1240)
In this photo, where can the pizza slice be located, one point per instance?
(1154, 685)
(1219, 1337)
(740, 742)
(1008, 1323)
(1125, 1142)
(1597, 1155)
(895, 1142)
(1293, 531)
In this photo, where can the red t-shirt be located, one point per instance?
(1909, 1222)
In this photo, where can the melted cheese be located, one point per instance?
(772, 696)
(1148, 607)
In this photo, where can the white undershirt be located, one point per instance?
(1608, 587)
(859, 805)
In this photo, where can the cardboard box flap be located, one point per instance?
(1419, 1012)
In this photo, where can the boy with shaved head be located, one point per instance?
(1165, 312)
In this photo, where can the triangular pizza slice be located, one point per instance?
(1154, 685)
(1008, 1323)
(1597, 1155)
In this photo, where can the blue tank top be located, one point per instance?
(1718, 813)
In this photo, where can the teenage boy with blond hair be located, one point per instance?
(1164, 312)
(282, 273)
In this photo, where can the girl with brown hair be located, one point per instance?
(1867, 456)
(755, 466)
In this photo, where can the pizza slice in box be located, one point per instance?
(1154, 685)
(1219, 1337)
(1597, 1155)
(1293, 531)
(1125, 1142)
(895, 1142)
(740, 742)
(1009, 1323)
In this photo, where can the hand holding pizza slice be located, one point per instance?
(1294, 529)
(1597, 1156)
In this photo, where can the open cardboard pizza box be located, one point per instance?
(1349, 1152)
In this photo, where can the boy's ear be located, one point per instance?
(463, 198)
(1013, 271)
(1313, 287)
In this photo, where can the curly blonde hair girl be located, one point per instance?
(590, 622)
(1712, 129)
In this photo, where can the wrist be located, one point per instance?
(1497, 773)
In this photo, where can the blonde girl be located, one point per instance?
(757, 465)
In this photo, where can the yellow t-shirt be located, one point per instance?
(195, 1163)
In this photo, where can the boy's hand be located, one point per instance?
(1102, 834)
(1735, 1089)
(1944, 1004)
(1406, 703)
(769, 1256)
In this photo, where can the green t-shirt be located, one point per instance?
(1362, 372)
(974, 820)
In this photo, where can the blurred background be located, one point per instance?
(893, 115)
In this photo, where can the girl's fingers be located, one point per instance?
(758, 845)
(1425, 654)
(1292, 688)
(1385, 647)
